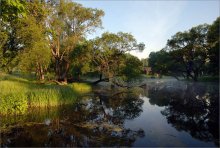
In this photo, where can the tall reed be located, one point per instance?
(17, 94)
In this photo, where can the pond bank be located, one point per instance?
(18, 94)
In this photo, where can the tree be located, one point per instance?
(69, 23)
(108, 52)
(10, 45)
(213, 52)
(36, 54)
(190, 49)
(3, 40)
(81, 58)
(158, 62)
(132, 67)
(10, 13)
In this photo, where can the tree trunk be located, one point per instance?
(101, 80)
(42, 77)
(62, 70)
(196, 74)
(100, 76)
(57, 68)
(66, 70)
(41, 73)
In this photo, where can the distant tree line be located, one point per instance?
(48, 37)
(189, 54)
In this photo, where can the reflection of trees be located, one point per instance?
(158, 97)
(96, 121)
(125, 106)
(192, 108)
(100, 120)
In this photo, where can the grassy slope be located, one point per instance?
(18, 93)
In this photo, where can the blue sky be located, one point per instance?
(153, 22)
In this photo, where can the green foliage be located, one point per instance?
(158, 61)
(213, 52)
(81, 59)
(69, 23)
(3, 36)
(53, 34)
(191, 54)
(11, 9)
(49, 38)
(15, 103)
(26, 36)
(36, 54)
(9, 46)
(11, 12)
(109, 52)
(132, 67)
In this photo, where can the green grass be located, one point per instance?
(18, 93)
(81, 87)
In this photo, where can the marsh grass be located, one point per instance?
(18, 93)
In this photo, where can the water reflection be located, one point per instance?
(99, 118)
(95, 121)
(193, 107)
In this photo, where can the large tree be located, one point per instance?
(69, 23)
(32, 38)
(36, 54)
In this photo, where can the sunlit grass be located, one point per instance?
(17, 94)
(81, 87)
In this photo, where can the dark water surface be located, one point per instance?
(161, 113)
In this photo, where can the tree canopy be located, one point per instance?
(51, 37)
(189, 54)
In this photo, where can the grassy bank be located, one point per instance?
(18, 94)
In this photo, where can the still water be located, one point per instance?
(161, 113)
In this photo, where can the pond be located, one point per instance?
(160, 113)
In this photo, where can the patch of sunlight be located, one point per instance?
(81, 87)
